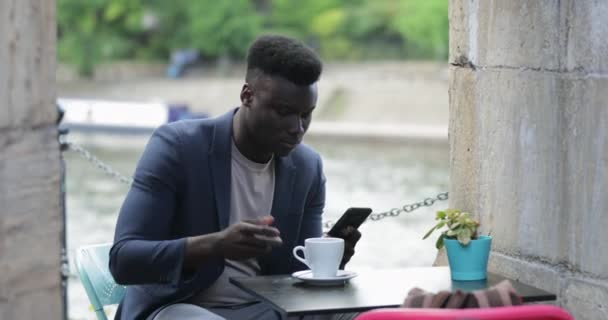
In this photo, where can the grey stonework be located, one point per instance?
(529, 140)
(30, 206)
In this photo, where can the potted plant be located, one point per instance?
(467, 252)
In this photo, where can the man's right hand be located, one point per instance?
(239, 241)
(242, 240)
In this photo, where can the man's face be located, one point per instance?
(279, 113)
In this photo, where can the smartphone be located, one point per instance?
(353, 217)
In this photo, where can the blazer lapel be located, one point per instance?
(283, 185)
(221, 169)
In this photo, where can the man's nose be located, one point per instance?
(296, 125)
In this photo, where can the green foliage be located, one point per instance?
(216, 28)
(458, 225)
(93, 31)
(423, 24)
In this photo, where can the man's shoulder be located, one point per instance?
(191, 127)
(304, 150)
(305, 154)
(194, 130)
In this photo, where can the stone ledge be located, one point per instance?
(586, 297)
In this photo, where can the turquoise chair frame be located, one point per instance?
(92, 266)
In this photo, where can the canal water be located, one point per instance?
(380, 176)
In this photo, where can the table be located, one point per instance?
(371, 289)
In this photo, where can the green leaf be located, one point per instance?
(429, 232)
(440, 215)
(439, 243)
(114, 10)
(464, 236)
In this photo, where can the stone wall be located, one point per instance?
(30, 219)
(529, 140)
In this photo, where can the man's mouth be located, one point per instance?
(290, 143)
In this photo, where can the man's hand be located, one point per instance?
(247, 239)
(243, 240)
(351, 236)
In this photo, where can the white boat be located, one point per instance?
(119, 116)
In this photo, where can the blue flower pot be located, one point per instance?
(468, 262)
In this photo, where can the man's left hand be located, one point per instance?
(351, 236)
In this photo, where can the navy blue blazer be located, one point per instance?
(181, 188)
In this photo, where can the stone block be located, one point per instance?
(518, 123)
(537, 274)
(586, 299)
(458, 14)
(27, 59)
(585, 171)
(41, 304)
(518, 34)
(463, 139)
(587, 31)
(31, 220)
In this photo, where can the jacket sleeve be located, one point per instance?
(143, 252)
(312, 225)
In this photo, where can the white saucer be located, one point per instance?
(342, 277)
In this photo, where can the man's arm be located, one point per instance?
(142, 252)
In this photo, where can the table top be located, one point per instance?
(371, 289)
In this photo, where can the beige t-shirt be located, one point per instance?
(251, 196)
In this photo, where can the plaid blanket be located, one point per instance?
(502, 294)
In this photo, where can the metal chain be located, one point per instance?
(397, 211)
(327, 225)
(94, 160)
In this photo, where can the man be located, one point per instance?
(224, 197)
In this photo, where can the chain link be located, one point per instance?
(395, 212)
(94, 160)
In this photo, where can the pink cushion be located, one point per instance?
(528, 312)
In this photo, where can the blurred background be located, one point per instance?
(127, 66)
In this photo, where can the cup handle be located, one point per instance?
(295, 254)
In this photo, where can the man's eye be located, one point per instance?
(306, 115)
(283, 112)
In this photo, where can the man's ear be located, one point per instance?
(246, 95)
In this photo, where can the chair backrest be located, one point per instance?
(528, 312)
(92, 266)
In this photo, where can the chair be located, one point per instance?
(92, 266)
(528, 312)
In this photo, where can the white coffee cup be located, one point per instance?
(321, 255)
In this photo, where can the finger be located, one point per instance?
(272, 241)
(252, 229)
(344, 262)
(253, 241)
(355, 236)
(260, 239)
(262, 221)
(349, 252)
(267, 220)
(351, 234)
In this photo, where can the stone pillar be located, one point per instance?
(529, 140)
(30, 206)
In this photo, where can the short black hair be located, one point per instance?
(288, 58)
